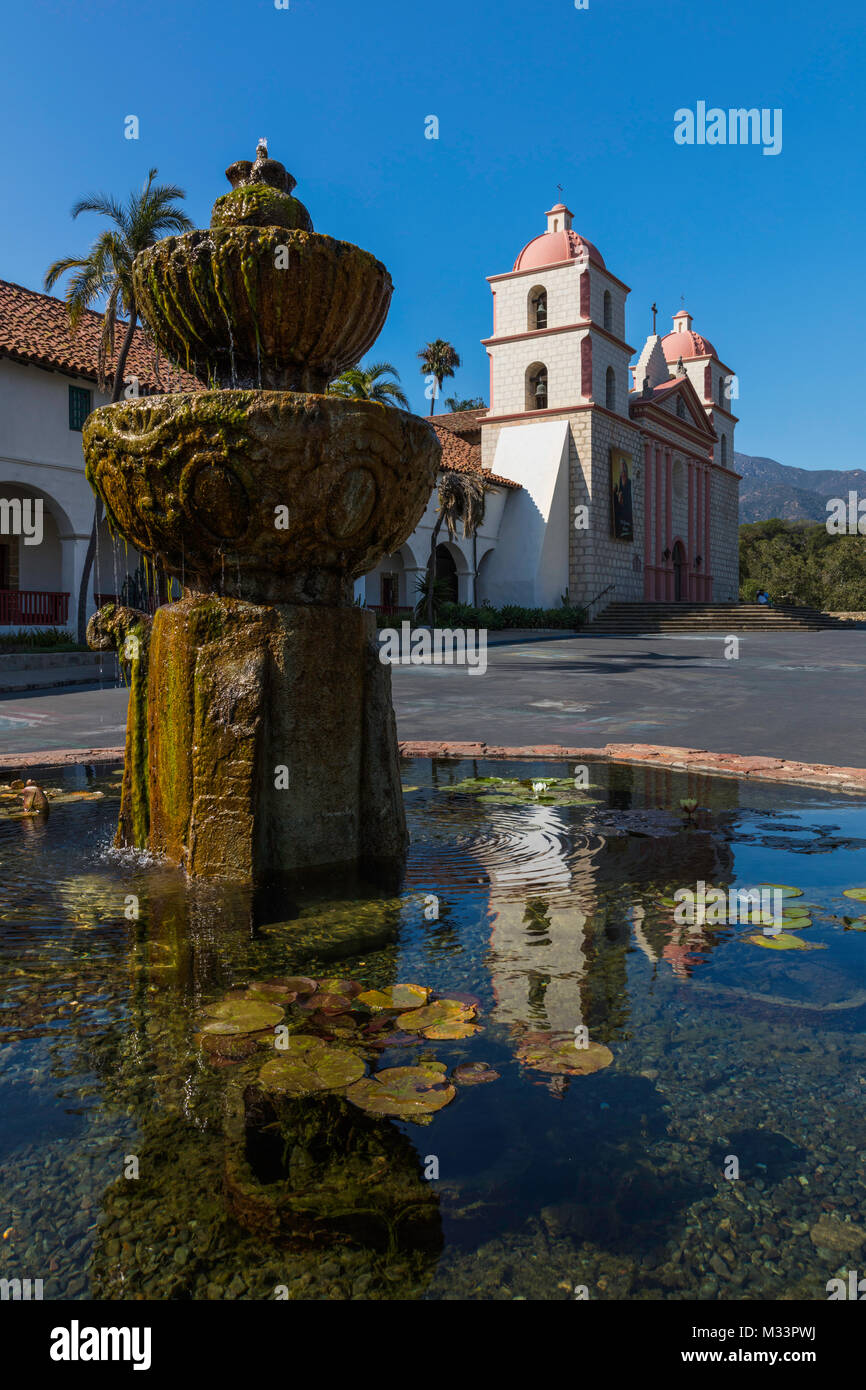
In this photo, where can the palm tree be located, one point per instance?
(461, 496)
(465, 403)
(104, 277)
(371, 384)
(438, 359)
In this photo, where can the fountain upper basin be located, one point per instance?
(252, 306)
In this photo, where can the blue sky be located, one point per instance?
(767, 251)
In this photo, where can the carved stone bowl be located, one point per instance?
(268, 496)
(267, 307)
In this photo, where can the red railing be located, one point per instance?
(33, 608)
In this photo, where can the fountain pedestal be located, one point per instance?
(271, 739)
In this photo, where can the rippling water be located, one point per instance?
(121, 1142)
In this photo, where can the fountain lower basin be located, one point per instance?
(263, 495)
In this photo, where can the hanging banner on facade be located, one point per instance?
(622, 519)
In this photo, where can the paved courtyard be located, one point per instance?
(794, 695)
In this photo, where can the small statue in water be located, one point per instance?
(34, 799)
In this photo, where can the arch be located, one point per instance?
(50, 504)
(608, 311)
(722, 391)
(610, 388)
(681, 408)
(446, 571)
(536, 308)
(536, 386)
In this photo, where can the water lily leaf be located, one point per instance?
(784, 888)
(395, 997)
(271, 989)
(559, 1055)
(796, 921)
(405, 1092)
(858, 894)
(308, 1065)
(783, 942)
(474, 1074)
(335, 984)
(445, 1018)
(298, 984)
(233, 1016)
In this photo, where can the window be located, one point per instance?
(80, 406)
(536, 387)
(537, 308)
(681, 408)
(608, 311)
(610, 389)
(724, 451)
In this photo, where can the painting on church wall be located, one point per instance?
(622, 519)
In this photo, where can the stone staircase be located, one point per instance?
(709, 617)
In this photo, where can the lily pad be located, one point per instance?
(559, 1055)
(395, 997)
(234, 1016)
(784, 888)
(404, 1092)
(858, 894)
(308, 1065)
(444, 1018)
(474, 1074)
(335, 984)
(783, 942)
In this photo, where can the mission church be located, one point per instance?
(605, 479)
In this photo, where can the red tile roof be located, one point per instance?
(34, 328)
(462, 421)
(459, 456)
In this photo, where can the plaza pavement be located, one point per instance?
(796, 695)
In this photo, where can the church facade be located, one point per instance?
(626, 484)
(606, 481)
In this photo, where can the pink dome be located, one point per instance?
(551, 247)
(686, 344)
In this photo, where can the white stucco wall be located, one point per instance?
(530, 563)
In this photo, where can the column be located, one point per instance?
(648, 507)
(708, 484)
(73, 550)
(657, 558)
(669, 532)
(692, 573)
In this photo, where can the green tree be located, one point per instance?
(371, 384)
(439, 360)
(104, 278)
(461, 496)
(465, 403)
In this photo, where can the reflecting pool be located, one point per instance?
(598, 1099)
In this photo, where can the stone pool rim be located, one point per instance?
(751, 768)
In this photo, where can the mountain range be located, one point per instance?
(771, 489)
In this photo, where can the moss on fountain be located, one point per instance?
(263, 305)
(265, 504)
(257, 205)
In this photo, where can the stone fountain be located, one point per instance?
(260, 736)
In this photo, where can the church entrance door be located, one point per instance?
(679, 558)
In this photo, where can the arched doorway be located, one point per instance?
(679, 562)
(446, 573)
